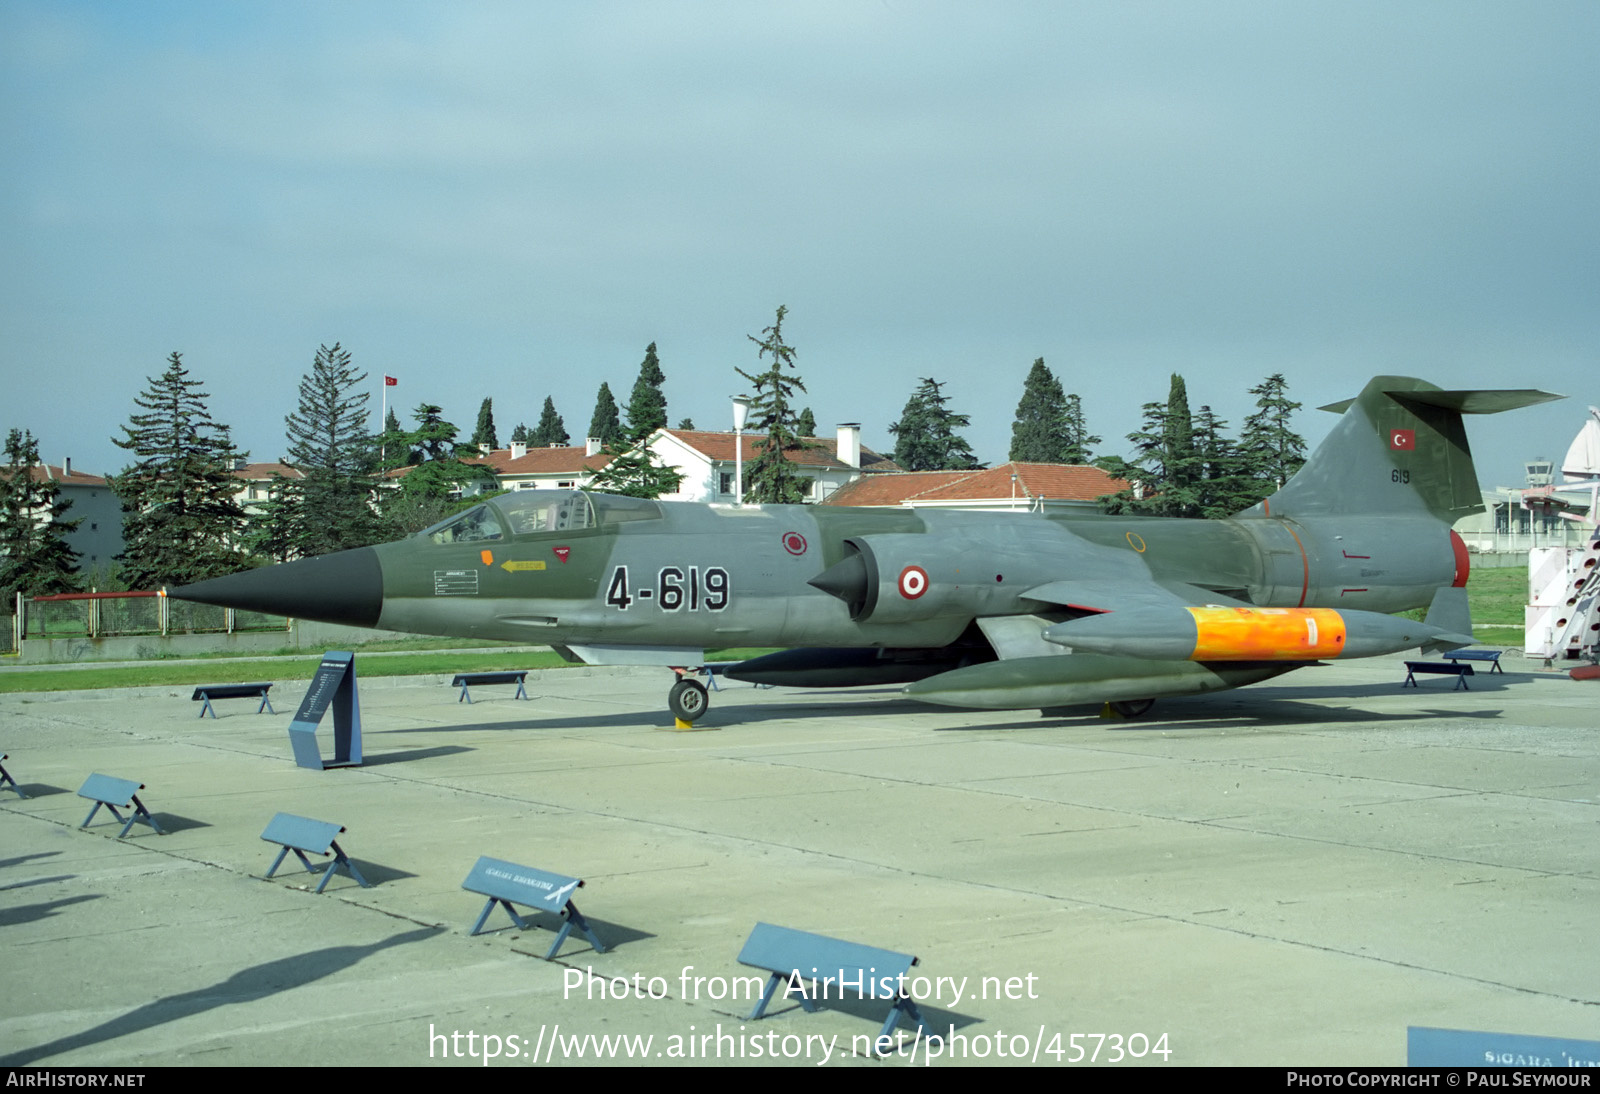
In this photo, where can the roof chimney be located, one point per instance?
(850, 443)
(592, 446)
(519, 449)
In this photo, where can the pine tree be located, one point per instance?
(329, 508)
(604, 424)
(1217, 472)
(1077, 443)
(1269, 451)
(925, 435)
(687, 423)
(276, 530)
(35, 558)
(519, 435)
(806, 424)
(1035, 429)
(483, 437)
(550, 430)
(647, 406)
(182, 519)
(636, 472)
(771, 477)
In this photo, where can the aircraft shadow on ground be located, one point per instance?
(1249, 710)
(725, 717)
(256, 982)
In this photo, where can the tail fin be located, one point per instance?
(1400, 447)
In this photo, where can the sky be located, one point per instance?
(511, 200)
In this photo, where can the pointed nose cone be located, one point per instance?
(345, 587)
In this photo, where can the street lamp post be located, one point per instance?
(741, 408)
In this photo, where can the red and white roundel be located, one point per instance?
(913, 582)
(794, 543)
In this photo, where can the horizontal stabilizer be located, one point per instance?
(1486, 401)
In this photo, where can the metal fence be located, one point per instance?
(102, 615)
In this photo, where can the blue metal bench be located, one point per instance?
(302, 835)
(1492, 656)
(464, 679)
(111, 792)
(506, 883)
(815, 965)
(205, 693)
(1438, 668)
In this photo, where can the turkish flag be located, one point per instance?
(1403, 440)
(390, 381)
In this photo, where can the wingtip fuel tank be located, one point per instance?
(1241, 633)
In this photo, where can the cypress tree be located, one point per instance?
(647, 406)
(1035, 431)
(605, 423)
(550, 430)
(484, 434)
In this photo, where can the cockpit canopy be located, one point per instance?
(531, 512)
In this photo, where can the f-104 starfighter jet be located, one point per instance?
(975, 609)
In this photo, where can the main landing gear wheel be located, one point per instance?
(1132, 708)
(688, 700)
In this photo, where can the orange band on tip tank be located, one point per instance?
(1267, 634)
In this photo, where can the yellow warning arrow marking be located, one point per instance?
(513, 567)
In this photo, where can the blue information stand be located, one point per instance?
(506, 883)
(111, 792)
(334, 683)
(813, 964)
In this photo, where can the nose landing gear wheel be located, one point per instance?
(1132, 708)
(688, 700)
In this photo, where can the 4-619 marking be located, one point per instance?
(676, 588)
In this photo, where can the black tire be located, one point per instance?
(1132, 708)
(688, 700)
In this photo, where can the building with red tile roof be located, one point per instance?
(706, 461)
(1047, 487)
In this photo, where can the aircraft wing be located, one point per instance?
(1102, 596)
